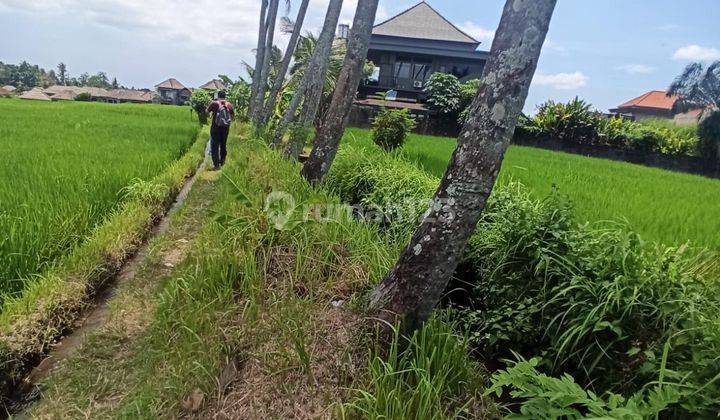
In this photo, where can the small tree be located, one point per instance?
(390, 128)
(199, 101)
(443, 91)
(83, 97)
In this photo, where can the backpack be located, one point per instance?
(223, 118)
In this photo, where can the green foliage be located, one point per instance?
(576, 123)
(709, 133)
(443, 90)
(663, 206)
(544, 397)
(83, 97)
(58, 147)
(199, 101)
(238, 93)
(468, 90)
(427, 376)
(594, 301)
(391, 127)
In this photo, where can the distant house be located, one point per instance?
(130, 96)
(655, 104)
(4, 92)
(10, 88)
(68, 93)
(173, 92)
(214, 84)
(35, 94)
(407, 48)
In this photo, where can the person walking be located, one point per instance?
(222, 116)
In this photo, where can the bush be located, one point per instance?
(83, 97)
(390, 128)
(443, 91)
(596, 302)
(468, 90)
(239, 95)
(576, 123)
(199, 101)
(709, 133)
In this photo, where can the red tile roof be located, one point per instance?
(391, 104)
(656, 99)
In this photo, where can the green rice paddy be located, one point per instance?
(663, 206)
(65, 168)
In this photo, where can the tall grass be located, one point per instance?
(65, 169)
(661, 206)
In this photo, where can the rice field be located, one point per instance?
(663, 206)
(65, 169)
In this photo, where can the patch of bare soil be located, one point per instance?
(264, 384)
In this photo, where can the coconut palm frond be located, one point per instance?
(287, 25)
(697, 87)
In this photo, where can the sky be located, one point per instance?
(603, 51)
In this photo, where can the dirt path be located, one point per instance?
(123, 309)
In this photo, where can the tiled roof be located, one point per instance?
(214, 84)
(391, 104)
(9, 88)
(4, 91)
(423, 22)
(656, 99)
(171, 84)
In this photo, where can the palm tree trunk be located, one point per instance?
(265, 70)
(285, 64)
(316, 67)
(328, 137)
(410, 291)
(259, 57)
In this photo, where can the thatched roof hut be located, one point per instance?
(35, 94)
(214, 84)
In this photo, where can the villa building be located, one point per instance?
(407, 48)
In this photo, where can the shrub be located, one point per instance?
(199, 101)
(443, 91)
(576, 123)
(468, 90)
(709, 133)
(390, 128)
(544, 397)
(596, 302)
(239, 95)
(83, 97)
(573, 122)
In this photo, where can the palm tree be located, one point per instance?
(309, 91)
(294, 29)
(328, 137)
(259, 55)
(259, 98)
(698, 87)
(410, 291)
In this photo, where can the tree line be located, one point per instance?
(26, 76)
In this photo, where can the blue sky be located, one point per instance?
(603, 51)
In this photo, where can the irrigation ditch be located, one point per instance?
(26, 391)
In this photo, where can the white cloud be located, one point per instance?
(186, 21)
(696, 53)
(636, 68)
(554, 47)
(563, 81)
(481, 34)
(669, 27)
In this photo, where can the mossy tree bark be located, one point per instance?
(285, 64)
(328, 136)
(312, 82)
(410, 291)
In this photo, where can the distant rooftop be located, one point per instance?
(423, 22)
(171, 84)
(656, 99)
(214, 84)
